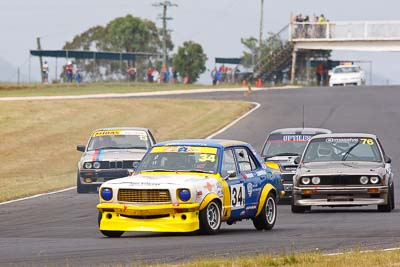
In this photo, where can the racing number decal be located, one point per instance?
(237, 196)
(367, 141)
(207, 157)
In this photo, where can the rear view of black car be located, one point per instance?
(282, 147)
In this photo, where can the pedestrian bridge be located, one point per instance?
(374, 36)
(346, 35)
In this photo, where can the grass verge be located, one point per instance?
(8, 90)
(353, 259)
(39, 138)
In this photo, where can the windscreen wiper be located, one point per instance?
(345, 155)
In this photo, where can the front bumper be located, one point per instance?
(97, 177)
(156, 218)
(339, 196)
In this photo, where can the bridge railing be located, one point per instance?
(359, 30)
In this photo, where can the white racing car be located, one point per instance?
(343, 75)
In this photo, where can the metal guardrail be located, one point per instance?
(359, 30)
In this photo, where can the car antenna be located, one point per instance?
(303, 116)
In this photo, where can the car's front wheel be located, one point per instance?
(112, 234)
(390, 201)
(266, 219)
(299, 209)
(80, 188)
(210, 218)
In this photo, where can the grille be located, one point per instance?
(287, 177)
(144, 195)
(289, 168)
(125, 164)
(340, 180)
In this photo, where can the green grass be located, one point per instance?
(7, 90)
(354, 259)
(39, 138)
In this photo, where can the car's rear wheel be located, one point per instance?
(266, 219)
(80, 188)
(299, 209)
(112, 234)
(390, 202)
(210, 218)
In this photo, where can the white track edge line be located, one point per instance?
(257, 105)
(362, 251)
(38, 195)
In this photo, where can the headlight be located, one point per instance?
(135, 164)
(96, 165)
(364, 180)
(374, 180)
(316, 180)
(106, 194)
(87, 165)
(184, 194)
(305, 180)
(272, 165)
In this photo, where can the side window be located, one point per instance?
(228, 162)
(245, 160)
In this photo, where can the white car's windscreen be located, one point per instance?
(342, 149)
(285, 145)
(119, 139)
(181, 158)
(347, 70)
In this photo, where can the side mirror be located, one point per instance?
(297, 160)
(388, 159)
(330, 73)
(231, 174)
(80, 148)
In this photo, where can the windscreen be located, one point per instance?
(119, 139)
(285, 145)
(347, 70)
(342, 149)
(181, 158)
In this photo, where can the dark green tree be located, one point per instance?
(190, 61)
(124, 34)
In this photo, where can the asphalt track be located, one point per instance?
(61, 229)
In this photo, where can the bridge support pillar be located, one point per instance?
(293, 71)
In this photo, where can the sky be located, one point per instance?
(218, 25)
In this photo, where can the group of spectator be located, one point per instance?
(162, 76)
(69, 73)
(305, 28)
(224, 74)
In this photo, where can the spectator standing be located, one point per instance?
(45, 72)
(214, 76)
(322, 21)
(149, 74)
(156, 76)
(78, 77)
(132, 74)
(69, 71)
(319, 73)
(175, 76)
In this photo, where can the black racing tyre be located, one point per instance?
(393, 200)
(210, 218)
(267, 217)
(80, 188)
(390, 202)
(112, 234)
(299, 209)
